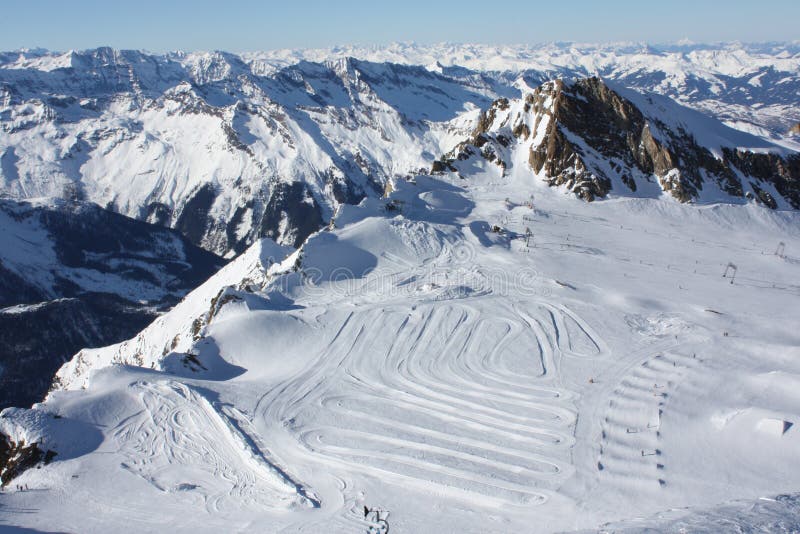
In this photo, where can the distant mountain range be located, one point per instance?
(229, 148)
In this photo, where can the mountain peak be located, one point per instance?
(586, 136)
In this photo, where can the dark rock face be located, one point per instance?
(784, 174)
(35, 342)
(294, 203)
(194, 220)
(442, 165)
(561, 160)
(593, 139)
(15, 458)
(616, 130)
(108, 278)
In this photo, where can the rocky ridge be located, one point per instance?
(592, 140)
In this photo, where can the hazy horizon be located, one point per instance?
(663, 45)
(247, 25)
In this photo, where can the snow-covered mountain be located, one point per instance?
(422, 328)
(750, 86)
(228, 149)
(206, 145)
(73, 275)
(427, 354)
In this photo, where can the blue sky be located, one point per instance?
(240, 25)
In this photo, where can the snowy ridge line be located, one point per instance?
(243, 427)
(730, 56)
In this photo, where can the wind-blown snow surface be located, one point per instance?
(413, 361)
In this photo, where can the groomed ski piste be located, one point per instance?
(480, 355)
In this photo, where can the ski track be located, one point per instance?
(630, 455)
(467, 396)
(170, 437)
(443, 396)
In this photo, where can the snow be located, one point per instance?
(26, 308)
(598, 372)
(414, 361)
(128, 129)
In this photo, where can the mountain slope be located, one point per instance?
(74, 276)
(208, 145)
(411, 358)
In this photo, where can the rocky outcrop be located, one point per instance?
(590, 139)
(782, 173)
(18, 457)
(613, 128)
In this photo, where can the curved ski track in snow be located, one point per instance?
(170, 437)
(447, 396)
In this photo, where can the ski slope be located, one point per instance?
(597, 370)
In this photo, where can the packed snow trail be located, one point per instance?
(179, 430)
(392, 378)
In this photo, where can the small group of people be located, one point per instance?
(20, 487)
